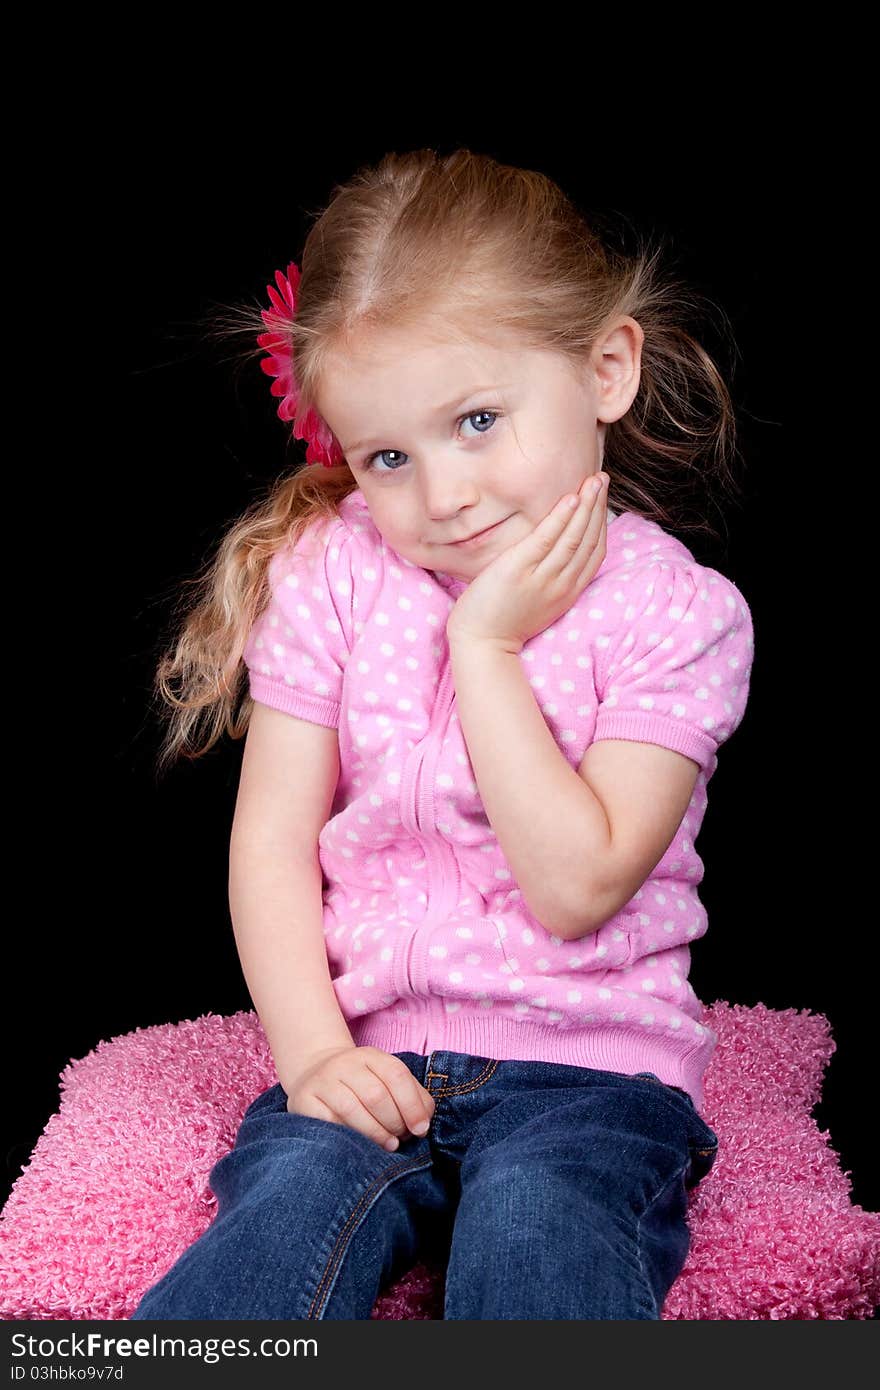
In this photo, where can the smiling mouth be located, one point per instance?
(477, 534)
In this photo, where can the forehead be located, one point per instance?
(426, 365)
(428, 347)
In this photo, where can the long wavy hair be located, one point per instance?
(456, 240)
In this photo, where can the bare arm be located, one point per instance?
(289, 774)
(580, 843)
(550, 825)
(275, 901)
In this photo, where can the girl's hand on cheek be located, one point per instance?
(529, 585)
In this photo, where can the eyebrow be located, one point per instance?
(457, 402)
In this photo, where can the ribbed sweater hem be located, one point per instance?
(605, 1047)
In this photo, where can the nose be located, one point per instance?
(446, 492)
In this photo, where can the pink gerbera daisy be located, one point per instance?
(323, 447)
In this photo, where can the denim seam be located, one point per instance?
(467, 1086)
(701, 1153)
(384, 1179)
(679, 1176)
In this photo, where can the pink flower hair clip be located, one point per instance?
(323, 447)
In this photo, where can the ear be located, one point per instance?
(616, 364)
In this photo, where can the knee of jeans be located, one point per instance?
(506, 1176)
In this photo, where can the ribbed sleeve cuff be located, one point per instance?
(292, 699)
(642, 727)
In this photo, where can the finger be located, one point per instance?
(593, 493)
(567, 540)
(416, 1106)
(358, 1112)
(548, 534)
(591, 555)
(378, 1098)
(342, 1107)
(589, 518)
(590, 496)
(314, 1107)
(548, 531)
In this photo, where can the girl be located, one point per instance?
(483, 708)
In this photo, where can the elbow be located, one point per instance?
(576, 930)
(585, 908)
(596, 907)
(571, 922)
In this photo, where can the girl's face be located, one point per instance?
(447, 438)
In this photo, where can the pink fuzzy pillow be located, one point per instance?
(116, 1187)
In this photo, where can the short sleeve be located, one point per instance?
(675, 669)
(299, 644)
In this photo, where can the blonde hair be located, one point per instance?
(452, 240)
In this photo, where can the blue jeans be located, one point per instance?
(552, 1191)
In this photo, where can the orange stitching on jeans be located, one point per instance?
(398, 1169)
(467, 1086)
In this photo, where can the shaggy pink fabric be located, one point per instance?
(116, 1187)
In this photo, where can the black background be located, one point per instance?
(149, 446)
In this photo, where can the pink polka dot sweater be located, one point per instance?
(429, 940)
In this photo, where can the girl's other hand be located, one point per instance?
(366, 1089)
(529, 585)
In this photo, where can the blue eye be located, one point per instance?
(370, 462)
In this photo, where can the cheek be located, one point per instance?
(396, 525)
(394, 522)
